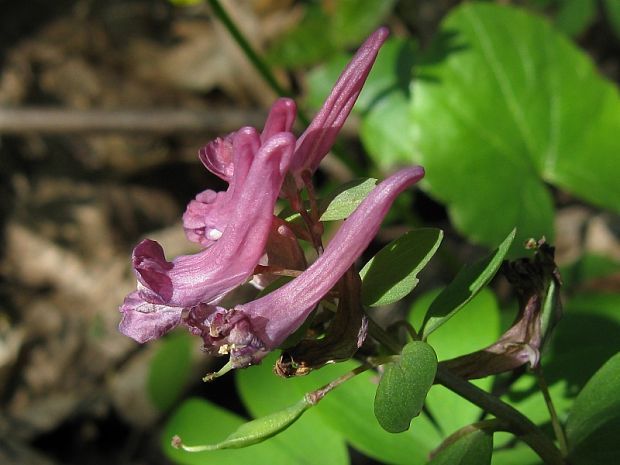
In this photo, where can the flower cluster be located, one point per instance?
(243, 240)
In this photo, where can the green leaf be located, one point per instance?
(347, 410)
(354, 20)
(392, 273)
(574, 16)
(593, 426)
(477, 326)
(260, 429)
(404, 385)
(474, 448)
(467, 283)
(612, 8)
(311, 440)
(197, 421)
(504, 104)
(344, 200)
(518, 454)
(169, 370)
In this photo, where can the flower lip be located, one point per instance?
(204, 277)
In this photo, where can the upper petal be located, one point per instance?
(217, 156)
(320, 135)
(204, 277)
(280, 119)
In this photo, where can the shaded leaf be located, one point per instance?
(467, 283)
(474, 448)
(404, 385)
(392, 273)
(169, 370)
(593, 426)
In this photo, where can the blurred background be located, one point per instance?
(103, 107)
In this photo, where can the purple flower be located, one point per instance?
(238, 230)
(318, 138)
(320, 135)
(245, 225)
(251, 330)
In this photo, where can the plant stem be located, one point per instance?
(254, 58)
(520, 425)
(555, 421)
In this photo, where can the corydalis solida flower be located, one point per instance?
(238, 232)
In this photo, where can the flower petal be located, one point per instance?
(275, 316)
(208, 214)
(280, 119)
(206, 276)
(318, 138)
(144, 321)
(217, 156)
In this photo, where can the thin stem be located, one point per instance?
(519, 424)
(315, 397)
(555, 421)
(254, 58)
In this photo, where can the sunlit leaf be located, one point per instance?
(344, 200)
(504, 104)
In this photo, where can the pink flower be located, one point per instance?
(205, 277)
(251, 330)
(238, 229)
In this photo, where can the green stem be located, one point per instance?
(555, 421)
(519, 424)
(254, 58)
